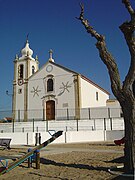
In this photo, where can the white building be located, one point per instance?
(38, 93)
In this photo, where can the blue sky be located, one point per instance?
(51, 24)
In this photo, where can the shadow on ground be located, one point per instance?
(83, 166)
(117, 160)
(80, 166)
(122, 178)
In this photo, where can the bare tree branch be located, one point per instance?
(89, 28)
(129, 7)
(128, 29)
(106, 57)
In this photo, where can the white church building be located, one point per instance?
(51, 92)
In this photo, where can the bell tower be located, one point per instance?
(24, 67)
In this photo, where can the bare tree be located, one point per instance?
(123, 91)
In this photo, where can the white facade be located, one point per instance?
(92, 95)
(38, 93)
(63, 88)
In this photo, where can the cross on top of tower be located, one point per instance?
(27, 38)
(50, 55)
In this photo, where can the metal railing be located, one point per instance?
(63, 114)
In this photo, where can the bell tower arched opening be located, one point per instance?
(20, 71)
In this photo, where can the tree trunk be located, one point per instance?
(124, 92)
(128, 109)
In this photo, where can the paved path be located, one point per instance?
(55, 150)
(58, 150)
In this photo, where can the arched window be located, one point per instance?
(33, 69)
(49, 85)
(20, 71)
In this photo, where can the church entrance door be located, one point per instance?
(50, 110)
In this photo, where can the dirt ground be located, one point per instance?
(82, 161)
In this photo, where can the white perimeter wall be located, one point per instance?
(67, 137)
